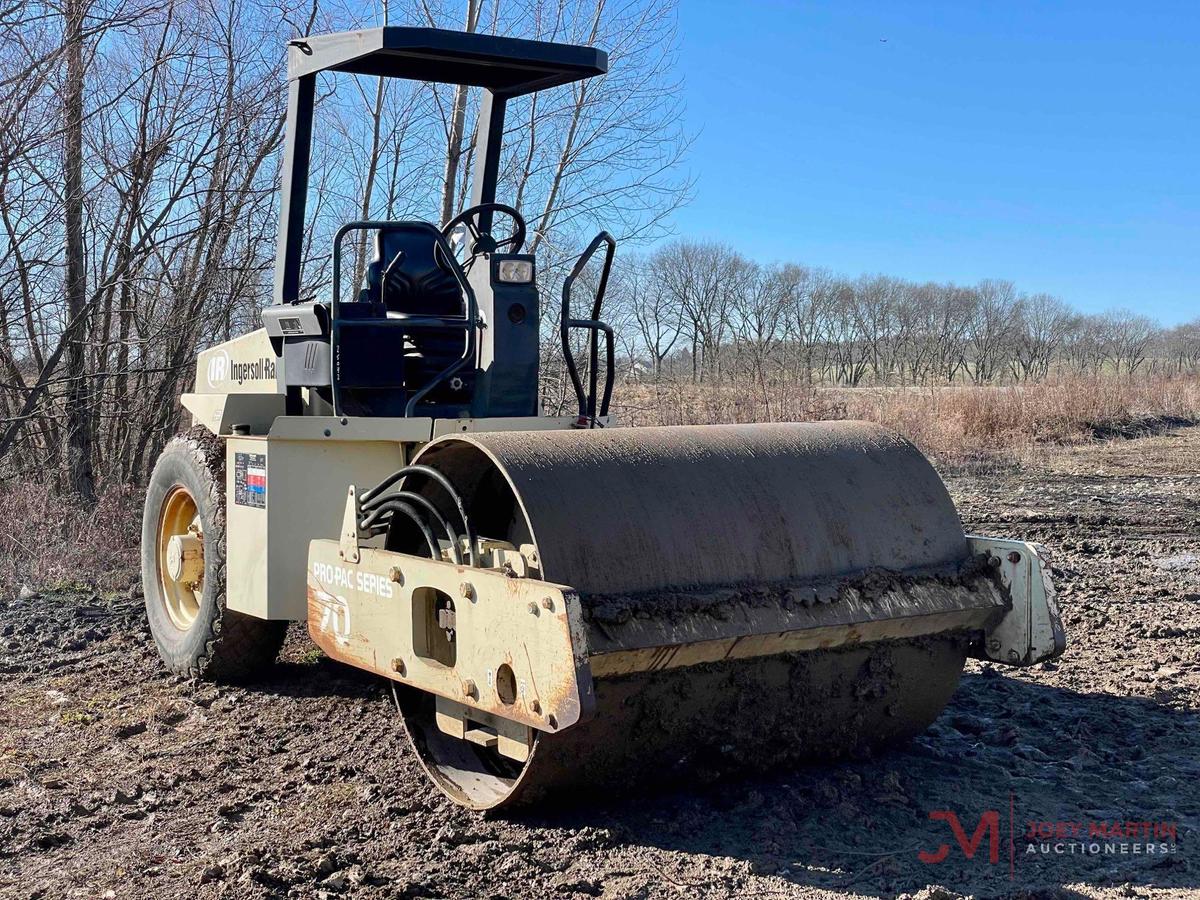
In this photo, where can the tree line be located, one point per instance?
(703, 312)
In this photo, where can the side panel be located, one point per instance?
(280, 496)
(245, 365)
(507, 380)
(220, 412)
(246, 531)
(309, 463)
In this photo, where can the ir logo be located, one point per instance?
(218, 369)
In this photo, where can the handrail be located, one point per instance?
(467, 323)
(587, 404)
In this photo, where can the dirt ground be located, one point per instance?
(118, 781)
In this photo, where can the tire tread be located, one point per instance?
(235, 647)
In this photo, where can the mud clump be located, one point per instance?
(721, 602)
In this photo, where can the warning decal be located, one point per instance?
(250, 479)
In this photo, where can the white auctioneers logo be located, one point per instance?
(218, 368)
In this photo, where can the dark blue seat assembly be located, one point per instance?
(410, 284)
(417, 281)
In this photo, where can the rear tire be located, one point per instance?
(195, 634)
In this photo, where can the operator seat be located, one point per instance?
(416, 285)
(419, 284)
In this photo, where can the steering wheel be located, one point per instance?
(483, 241)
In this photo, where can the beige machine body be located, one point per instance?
(307, 463)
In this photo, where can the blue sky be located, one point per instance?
(1055, 144)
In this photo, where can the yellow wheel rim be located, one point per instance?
(180, 533)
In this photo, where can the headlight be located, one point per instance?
(515, 271)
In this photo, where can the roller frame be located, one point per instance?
(1031, 629)
(1016, 615)
(365, 613)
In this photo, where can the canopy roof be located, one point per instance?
(508, 66)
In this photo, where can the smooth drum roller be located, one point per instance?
(750, 595)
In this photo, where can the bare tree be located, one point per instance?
(1042, 327)
(1181, 345)
(759, 311)
(875, 307)
(700, 278)
(658, 316)
(810, 294)
(990, 330)
(1132, 335)
(79, 426)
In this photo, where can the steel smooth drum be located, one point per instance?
(650, 515)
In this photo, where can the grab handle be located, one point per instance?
(587, 402)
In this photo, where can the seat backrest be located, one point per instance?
(418, 284)
(393, 363)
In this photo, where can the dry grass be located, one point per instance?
(47, 541)
(954, 424)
